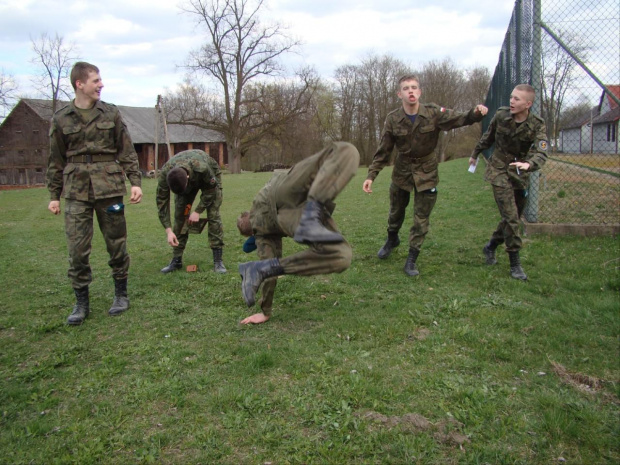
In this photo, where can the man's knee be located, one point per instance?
(348, 154)
(343, 258)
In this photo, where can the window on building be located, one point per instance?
(611, 132)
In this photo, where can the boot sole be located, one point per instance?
(117, 313)
(490, 261)
(382, 255)
(171, 271)
(301, 239)
(249, 297)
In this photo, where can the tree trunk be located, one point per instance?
(234, 156)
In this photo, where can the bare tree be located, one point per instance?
(239, 50)
(367, 93)
(477, 87)
(55, 58)
(558, 77)
(443, 83)
(8, 92)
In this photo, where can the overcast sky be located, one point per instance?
(139, 45)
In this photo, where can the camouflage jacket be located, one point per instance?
(416, 162)
(264, 212)
(104, 135)
(204, 175)
(526, 142)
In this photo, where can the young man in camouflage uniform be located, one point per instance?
(185, 174)
(297, 204)
(90, 154)
(520, 139)
(413, 129)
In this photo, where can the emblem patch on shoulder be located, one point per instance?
(542, 145)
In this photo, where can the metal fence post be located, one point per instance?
(531, 209)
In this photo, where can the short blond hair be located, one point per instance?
(528, 89)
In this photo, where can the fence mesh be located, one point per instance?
(569, 50)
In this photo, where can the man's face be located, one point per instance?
(520, 102)
(92, 87)
(409, 92)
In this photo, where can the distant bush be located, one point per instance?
(272, 166)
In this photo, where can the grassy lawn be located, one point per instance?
(461, 365)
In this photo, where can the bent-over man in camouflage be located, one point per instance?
(413, 130)
(297, 204)
(185, 174)
(520, 139)
(90, 155)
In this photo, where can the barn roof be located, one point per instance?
(609, 117)
(581, 119)
(141, 124)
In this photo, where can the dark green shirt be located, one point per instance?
(416, 162)
(204, 175)
(525, 142)
(100, 131)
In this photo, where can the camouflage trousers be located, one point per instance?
(79, 232)
(182, 207)
(320, 177)
(423, 205)
(511, 203)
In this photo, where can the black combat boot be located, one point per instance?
(489, 252)
(392, 241)
(311, 229)
(218, 264)
(410, 267)
(254, 273)
(175, 264)
(81, 309)
(515, 267)
(121, 301)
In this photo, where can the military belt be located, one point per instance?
(91, 158)
(417, 159)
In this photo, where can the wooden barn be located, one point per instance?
(24, 141)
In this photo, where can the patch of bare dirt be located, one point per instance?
(581, 382)
(414, 423)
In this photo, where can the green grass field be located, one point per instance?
(461, 365)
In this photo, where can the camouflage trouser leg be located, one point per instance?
(423, 204)
(399, 201)
(79, 232)
(318, 259)
(216, 229)
(320, 177)
(182, 208)
(511, 203)
(268, 247)
(114, 229)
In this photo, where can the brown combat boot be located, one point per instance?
(81, 309)
(254, 273)
(410, 267)
(311, 228)
(121, 301)
(515, 267)
(392, 241)
(218, 264)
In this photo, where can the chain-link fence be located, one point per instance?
(569, 50)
